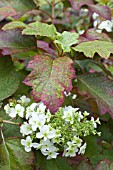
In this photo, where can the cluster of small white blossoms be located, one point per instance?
(52, 134)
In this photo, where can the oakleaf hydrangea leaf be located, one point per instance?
(21, 7)
(13, 25)
(12, 41)
(100, 88)
(13, 155)
(49, 79)
(103, 48)
(42, 29)
(103, 11)
(9, 78)
(66, 40)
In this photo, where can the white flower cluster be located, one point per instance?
(50, 133)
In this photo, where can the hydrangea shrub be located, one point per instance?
(56, 84)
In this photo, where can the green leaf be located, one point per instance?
(103, 48)
(13, 156)
(9, 78)
(42, 29)
(53, 164)
(106, 155)
(92, 141)
(49, 79)
(4, 157)
(66, 40)
(100, 88)
(13, 25)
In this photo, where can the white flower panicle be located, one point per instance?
(46, 132)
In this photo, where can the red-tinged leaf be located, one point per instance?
(103, 11)
(76, 4)
(91, 35)
(45, 47)
(21, 6)
(12, 42)
(49, 79)
(100, 88)
(6, 12)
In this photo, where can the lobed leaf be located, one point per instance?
(42, 29)
(100, 88)
(103, 48)
(49, 79)
(66, 40)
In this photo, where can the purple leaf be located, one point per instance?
(103, 11)
(45, 47)
(77, 4)
(100, 88)
(12, 42)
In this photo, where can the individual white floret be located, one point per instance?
(7, 108)
(30, 110)
(46, 132)
(86, 113)
(94, 123)
(68, 114)
(24, 100)
(79, 116)
(37, 121)
(82, 149)
(41, 108)
(72, 151)
(51, 153)
(10, 111)
(19, 110)
(27, 143)
(98, 121)
(26, 129)
(45, 145)
(77, 141)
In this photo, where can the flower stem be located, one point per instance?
(13, 123)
